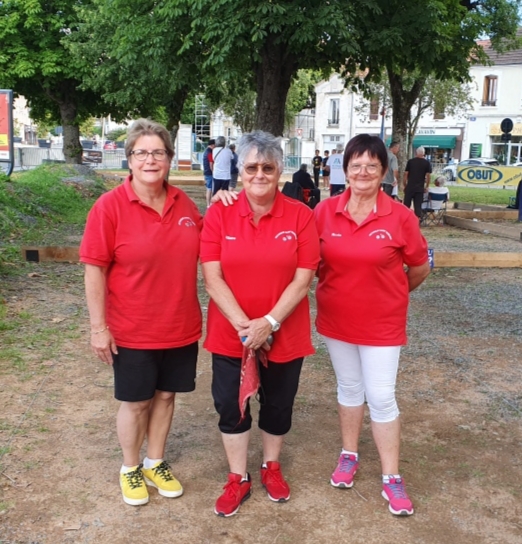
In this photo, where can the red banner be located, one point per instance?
(6, 131)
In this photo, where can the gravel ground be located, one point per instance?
(448, 238)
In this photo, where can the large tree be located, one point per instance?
(35, 63)
(424, 37)
(270, 40)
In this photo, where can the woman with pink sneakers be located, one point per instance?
(362, 302)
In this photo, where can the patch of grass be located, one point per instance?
(13, 358)
(479, 195)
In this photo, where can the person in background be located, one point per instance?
(317, 162)
(362, 302)
(208, 166)
(258, 258)
(392, 174)
(302, 177)
(335, 167)
(222, 166)
(416, 181)
(234, 172)
(326, 172)
(439, 189)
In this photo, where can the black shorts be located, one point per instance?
(279, 383)
(139, 373)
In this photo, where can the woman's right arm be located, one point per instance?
(221, 294)
(102, 341)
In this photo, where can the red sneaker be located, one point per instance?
(274, 482)
(236, 493)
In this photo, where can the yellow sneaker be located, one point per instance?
(161, 477)
(133, 487)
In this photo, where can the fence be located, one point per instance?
(27, 157)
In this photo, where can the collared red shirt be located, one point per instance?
(258, 263)
(362, 293)
(151, 262)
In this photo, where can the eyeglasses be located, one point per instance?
(142, 155)
(267, 169)
(356, 168)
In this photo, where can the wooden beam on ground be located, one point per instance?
(447, 259)
(470, 206)
(58, 254)
(493, 229)
(484, 215)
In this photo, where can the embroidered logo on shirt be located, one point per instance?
(380, 234)
(286, 235)
(337, 234)
(230, 237)
(186, 222)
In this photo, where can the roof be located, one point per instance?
(505, 58)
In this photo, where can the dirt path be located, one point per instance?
(459, 393)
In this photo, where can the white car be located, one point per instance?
(450, 171)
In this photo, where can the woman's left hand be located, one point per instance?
(256, 332)
(227, 197)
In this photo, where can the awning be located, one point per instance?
(443, 142)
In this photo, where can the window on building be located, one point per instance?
(333, 119)
(489, 97)
(374, 109)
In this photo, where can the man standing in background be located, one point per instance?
(234, 172)
(208, 165)
(416, 181)
(317, 162)
(392, 175)
(326, 172)
(222, 156)
(336, 172)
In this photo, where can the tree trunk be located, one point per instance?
(273, 75)
(174, 107)
(402, 102)
(72, 148)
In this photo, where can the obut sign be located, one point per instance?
(489, 175)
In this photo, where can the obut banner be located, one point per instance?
(489, 175)
(6, 131)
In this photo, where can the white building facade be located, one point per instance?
(497, 93)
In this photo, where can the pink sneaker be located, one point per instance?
(395, 493)
(345, 471)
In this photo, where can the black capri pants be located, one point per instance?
(279, 384)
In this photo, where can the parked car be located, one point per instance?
(109, 144)
(450, 171)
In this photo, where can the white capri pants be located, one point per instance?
(366, 371)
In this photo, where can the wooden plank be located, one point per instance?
(471, 206)
(481, 214)
(447, 259)
(51, 253)
(493, 229)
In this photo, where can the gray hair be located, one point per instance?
(220, 141)
(440, 181)
(304, 167)
(146, 127)
(268, 147)
(420, 151)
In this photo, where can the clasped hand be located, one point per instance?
(255, 333)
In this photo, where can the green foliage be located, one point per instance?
(39, 199)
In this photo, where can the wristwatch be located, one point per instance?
(275, 324)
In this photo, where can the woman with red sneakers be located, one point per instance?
(258, 258)
(362, 301)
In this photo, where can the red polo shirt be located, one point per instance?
(258, 263)
(152, 263)
(362, 293)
